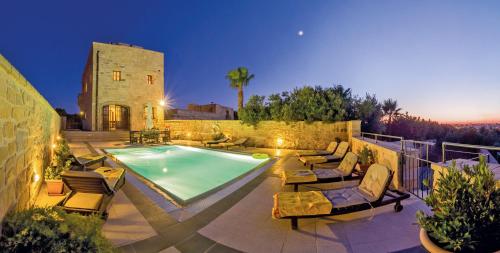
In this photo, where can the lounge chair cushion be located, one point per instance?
(329, 150)
(298, 176)
(82, 200)
(313, 159)
(332, 147)
(327, 173)
(341, 149)
(300, 204)
(374, 182)
(345, 197)
(111, 175)
(90, 158)
(348, 163)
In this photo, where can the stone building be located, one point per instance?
(118, 82)
(210, 111)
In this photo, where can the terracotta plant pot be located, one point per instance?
(54, 187)
(364, 167)
(429, 245)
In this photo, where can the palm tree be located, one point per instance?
(239, 78)
(390, 109)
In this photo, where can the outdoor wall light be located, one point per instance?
(53, 145)
(58, 137)
(36, 177)
(279, 142)
(162, 103)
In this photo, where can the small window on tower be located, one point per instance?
(150, 79)
(117, 75)
(85, 87)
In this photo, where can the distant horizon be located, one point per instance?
(439, 60)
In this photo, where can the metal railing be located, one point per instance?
(383, 137)
(466, 154)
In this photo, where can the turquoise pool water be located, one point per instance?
(185, 172)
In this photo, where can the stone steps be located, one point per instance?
(83, 136)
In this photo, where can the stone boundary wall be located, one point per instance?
(384, 156)
(295, 135)
(28, 127)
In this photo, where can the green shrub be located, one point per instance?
(366, 156)
(466, 210)
(61, 161)
(254, 111)
(52, 230)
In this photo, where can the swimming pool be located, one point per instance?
(185, 172)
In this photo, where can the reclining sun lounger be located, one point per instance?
(344, 171)
(214, 142)
(90, 191)
(329, 150)
(87, 160)
(372, 192)
(335, 157)
(238, 142)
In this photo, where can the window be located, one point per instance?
(150, 79)
(153, 109)
(117, 75)
(85, 87)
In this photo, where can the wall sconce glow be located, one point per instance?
(58, 137)
(36, 177)
(81, 113)
(279, 141)
(162, 102)
(53, 145)
(189, 135)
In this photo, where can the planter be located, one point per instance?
(429, 245)
(54, 187)
(364, 167)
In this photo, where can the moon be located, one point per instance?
(300, 33)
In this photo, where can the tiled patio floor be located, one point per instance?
(242, 222)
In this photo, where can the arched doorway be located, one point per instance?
(115, 117)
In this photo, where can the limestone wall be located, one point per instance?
(28, 127)
(295, 135)
(384, 156)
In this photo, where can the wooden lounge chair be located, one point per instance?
(342, 171)
(329, 150)
(87, 160)
(238, 142)
(372, 192)
(90, 192)
(215, 142)
(335, 157)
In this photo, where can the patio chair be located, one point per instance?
(90, 193)
(214, 142)
(341, 172)
(372, 192)
(335, 157)
(115, 177)
(239, 142)
(329, 150)
(87, 160)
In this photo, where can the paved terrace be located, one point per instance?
(241, 221)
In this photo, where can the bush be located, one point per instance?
(366, 156)
(466, 210)
(52, 230)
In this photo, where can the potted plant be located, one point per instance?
(60, 163)
(53, 180)
(366, 158)
(465, 209)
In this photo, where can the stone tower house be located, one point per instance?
(118, 82)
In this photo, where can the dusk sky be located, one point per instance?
(439, 59)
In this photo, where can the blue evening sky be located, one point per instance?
(439, 59)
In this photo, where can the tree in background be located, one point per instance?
(254, 111)
(390, 109)
(369, 111)
(238, 79)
